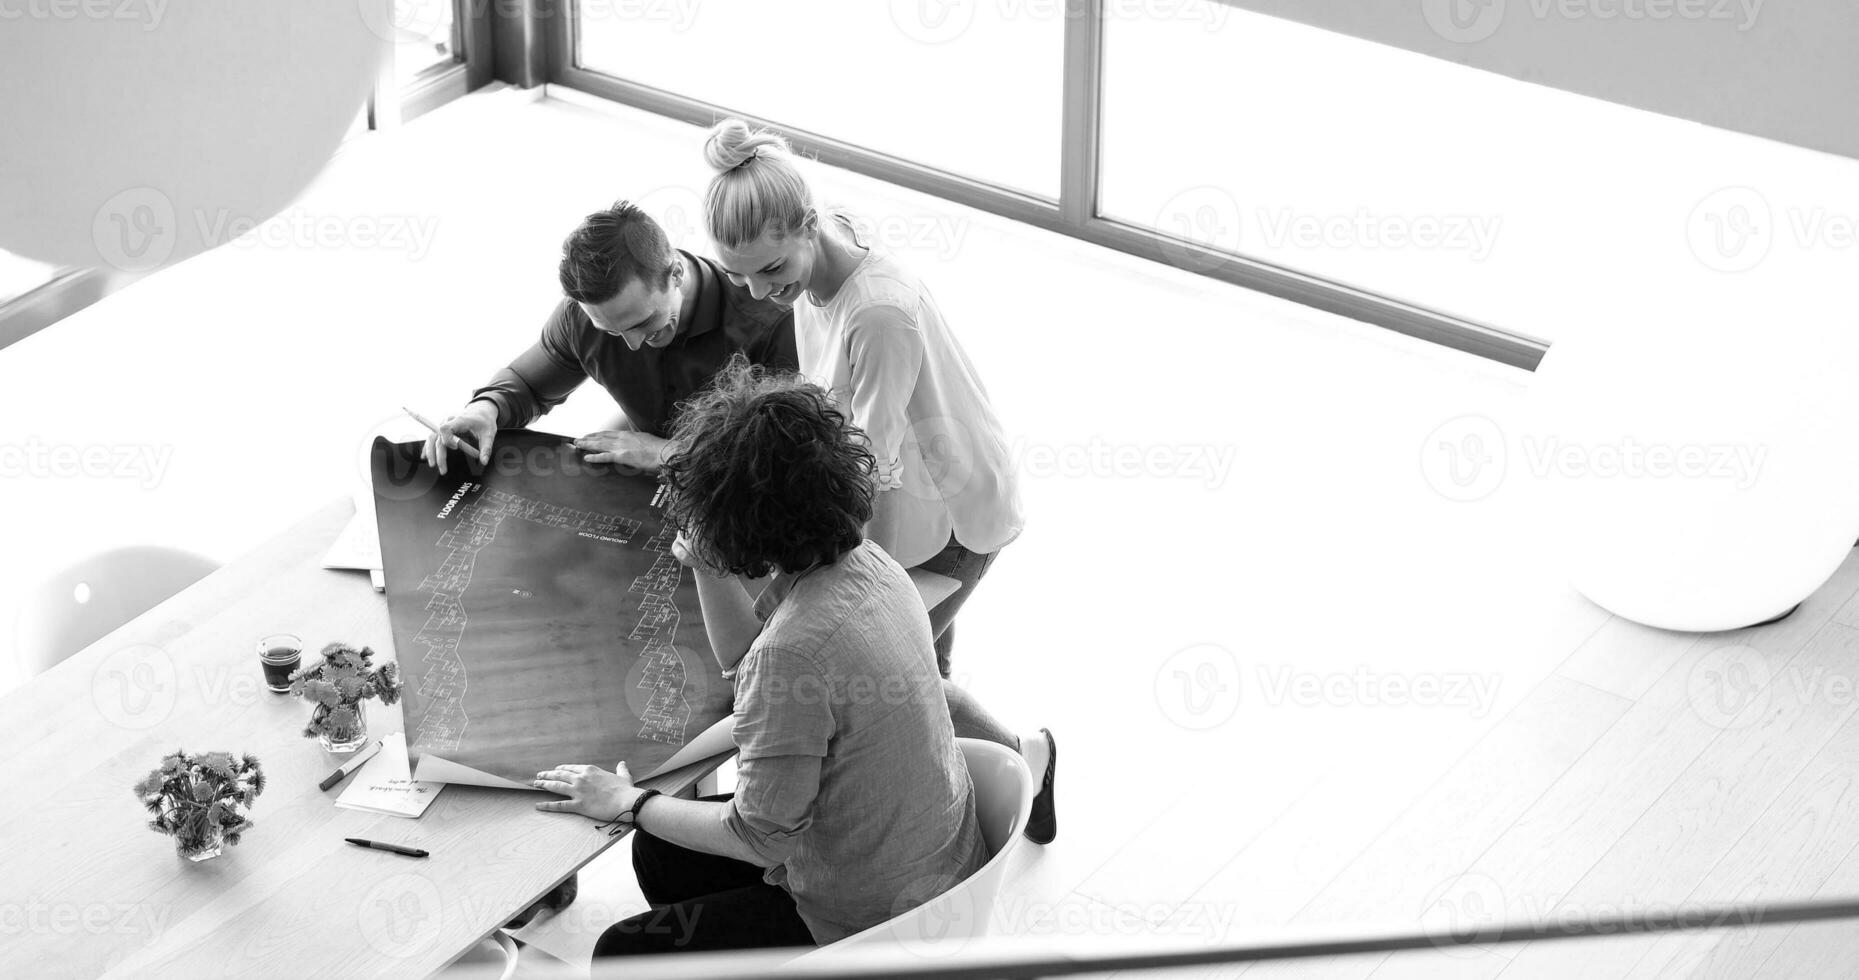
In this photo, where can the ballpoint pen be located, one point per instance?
(380, 846)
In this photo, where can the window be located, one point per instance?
(425, 38)
(969, 88)
(1456, 189)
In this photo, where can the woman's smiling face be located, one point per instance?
(775, 267)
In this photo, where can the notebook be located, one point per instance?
(384, 784)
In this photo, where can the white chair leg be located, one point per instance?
(511, 954)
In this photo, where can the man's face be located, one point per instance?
(640, 315)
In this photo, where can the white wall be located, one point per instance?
(1780, 70)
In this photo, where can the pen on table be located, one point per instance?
(350, 766)
(659, 497)
(379, 846)
(468, 447)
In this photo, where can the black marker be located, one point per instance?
(348, 767)
(377, 845)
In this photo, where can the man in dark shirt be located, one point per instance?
(649, 323)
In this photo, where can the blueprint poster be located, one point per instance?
(539, 617)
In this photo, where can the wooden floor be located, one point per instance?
(1650, 770)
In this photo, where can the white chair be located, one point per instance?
(74, 608)
(1003, 800)
(498, 948)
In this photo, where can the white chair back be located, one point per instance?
(74, 608)
(1003, 800)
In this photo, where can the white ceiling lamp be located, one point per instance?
(136, 133)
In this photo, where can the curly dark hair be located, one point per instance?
(767, 474)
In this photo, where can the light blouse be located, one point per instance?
(883, 350)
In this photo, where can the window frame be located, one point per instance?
(393, 103)
(1076, 213)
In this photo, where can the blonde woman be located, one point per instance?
(868, 331)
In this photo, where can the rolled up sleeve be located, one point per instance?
(886, 354)
(541, 377)
(784, 723)
(773, 805)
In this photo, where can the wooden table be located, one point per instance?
(86, 889)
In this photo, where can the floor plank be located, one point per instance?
(1808, 950)
(1789, 853)
(1404, 875)
(1671, 849)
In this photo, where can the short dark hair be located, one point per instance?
(612, 249)
(767, 474)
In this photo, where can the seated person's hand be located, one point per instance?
(641, 451)
(681, 550)
(478, 421)
(591, 790)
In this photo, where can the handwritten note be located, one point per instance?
(385, 783)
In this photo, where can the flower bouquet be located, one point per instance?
(337, 686)
(201, 801)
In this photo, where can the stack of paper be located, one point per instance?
(384, 784)
(358, 546)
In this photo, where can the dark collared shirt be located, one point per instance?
(649, 382)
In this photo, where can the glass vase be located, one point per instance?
(344, 728)
(215, 840)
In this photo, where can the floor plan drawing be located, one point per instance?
(539, 616)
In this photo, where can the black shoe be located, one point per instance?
(1043, 824)
(558, 898)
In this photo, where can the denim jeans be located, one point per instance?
(967, 568)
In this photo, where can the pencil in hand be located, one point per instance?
(456, 440)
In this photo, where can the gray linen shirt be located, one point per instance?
(850, 786)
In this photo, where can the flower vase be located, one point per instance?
(209, 847)
(341, 729)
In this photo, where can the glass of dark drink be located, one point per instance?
(280, 654)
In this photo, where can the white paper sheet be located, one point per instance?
(433, 769)
(358, 546)
(383, 784)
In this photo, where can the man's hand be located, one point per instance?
(477, 420)
(591, 790)
(641, 451)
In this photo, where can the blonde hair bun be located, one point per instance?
(733, 143)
